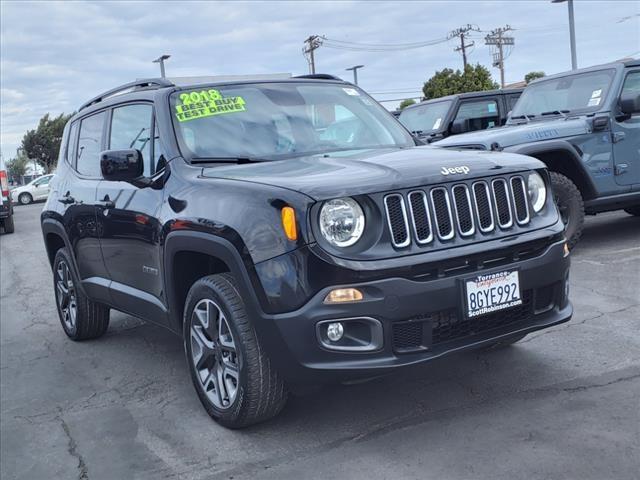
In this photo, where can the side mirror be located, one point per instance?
(121, 165)
(630, 103)
(461, 125)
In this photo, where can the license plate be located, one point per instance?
(493, 292)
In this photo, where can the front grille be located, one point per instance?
(519, 194)
(397, 220)
(443, 214)
(461, 210)
(432, 329)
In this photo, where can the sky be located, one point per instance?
(56, 55)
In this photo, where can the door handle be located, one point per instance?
(67, 199)
(618, 137)
(106, 204)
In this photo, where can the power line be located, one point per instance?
(498, 42)
(311, 44)
(378, 47)
(461, 33)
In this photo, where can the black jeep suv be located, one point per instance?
(292, 231)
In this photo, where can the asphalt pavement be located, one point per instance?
(562, 404)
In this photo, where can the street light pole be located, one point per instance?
(572, 32)
(355, 72)
(161, 60)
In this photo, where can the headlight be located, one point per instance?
(537, 191)
(341, 221)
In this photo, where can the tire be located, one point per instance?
(635, 210)
(571, 206)
(81, 318)
(506, 342)
(8, 225)
(237, 386)
(25, 198)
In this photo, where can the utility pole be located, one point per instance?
(355, 72)
(497, 39)
(461, 33)
(312, 44)
(161, 60)
(572, 32)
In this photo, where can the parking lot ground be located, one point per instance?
(562, 404)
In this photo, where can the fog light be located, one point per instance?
(342, 295)
(566, 250)
(335, 331)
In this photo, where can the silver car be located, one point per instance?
(35, 190)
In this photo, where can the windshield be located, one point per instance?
(574, 93)
(281, 120)
(425, 118)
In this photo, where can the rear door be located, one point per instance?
(77, 195)
(131, 235)
(482, 113)
(626, 136)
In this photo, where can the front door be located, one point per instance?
(131, 235)
(626, 138)
(41, 190)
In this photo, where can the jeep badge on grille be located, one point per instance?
(453, 170)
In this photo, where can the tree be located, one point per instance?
(17, 166)
(449, 82)
(43, 143)
(405, 103)
(531, 76)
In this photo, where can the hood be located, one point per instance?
(518, 134)
(374, 170)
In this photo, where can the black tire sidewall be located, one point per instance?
(567, 194)
(202, 290)
(63, 256)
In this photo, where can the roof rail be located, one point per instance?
(320, 76)
(147, 84)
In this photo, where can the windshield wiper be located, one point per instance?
(524, 116)
(555, 112)
(239, 160)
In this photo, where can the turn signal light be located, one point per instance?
(342, 295)
(289, 223)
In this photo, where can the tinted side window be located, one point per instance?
(90, 144)
(71, 143)
(632, 83)
(131, 128)
(482, 114)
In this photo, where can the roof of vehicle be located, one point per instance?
(625, 63)
(483, 93)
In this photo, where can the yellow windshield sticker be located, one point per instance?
(206, 103)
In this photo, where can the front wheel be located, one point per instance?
(571, 206)
(233, 377)
(25, 198)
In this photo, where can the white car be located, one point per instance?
(35, 190)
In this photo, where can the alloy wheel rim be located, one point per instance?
(214, 354)
(66, 295)
(24, 199)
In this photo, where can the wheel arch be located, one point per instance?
(55, 238)
(562, 157)
(189, 256)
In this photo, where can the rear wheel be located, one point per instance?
(81, 318)
(231, 373)
(571, 206)
(635, 210)
(25, 198)
(7, 223)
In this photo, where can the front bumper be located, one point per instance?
(431, 309)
